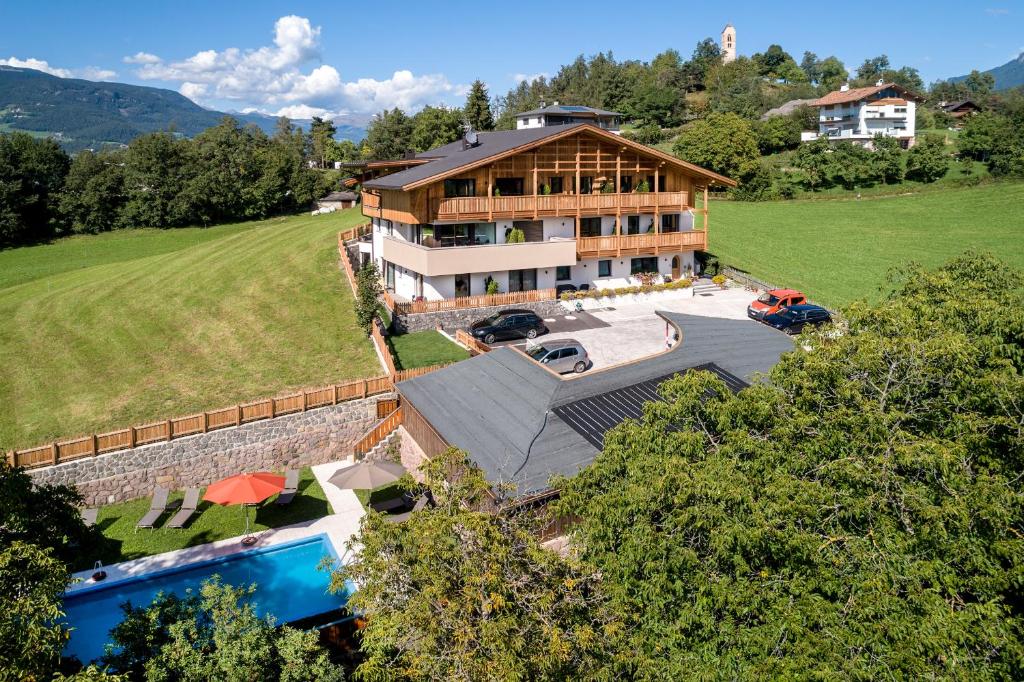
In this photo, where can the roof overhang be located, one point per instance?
(710, 176)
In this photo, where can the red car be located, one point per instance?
(773, 301)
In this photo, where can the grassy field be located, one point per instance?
(422, 349)
(840, 250)
(120, 540)
(105, 331)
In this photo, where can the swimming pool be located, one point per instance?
(288, 587)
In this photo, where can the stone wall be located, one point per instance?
(293, 441)
(461, 319)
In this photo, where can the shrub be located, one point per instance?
(647, 278)
(608, 187)
(719, 280)
(492, 286)
(606, 293)
(515, 236)
(643, 187)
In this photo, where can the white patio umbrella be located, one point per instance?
(367, 475)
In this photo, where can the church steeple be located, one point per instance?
(728, 43)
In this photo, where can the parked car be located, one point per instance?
(773, 301)
(509, 324)
(561, 355)
(793, 319)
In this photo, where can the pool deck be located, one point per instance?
(340, 527)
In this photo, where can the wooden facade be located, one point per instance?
(561, 177)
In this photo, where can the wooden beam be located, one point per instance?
(535, 185)
(490, 195)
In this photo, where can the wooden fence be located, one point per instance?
(378, 433)
(482, 301)
(346, 261)
(382, 346)
(475, 346)
(68, 450)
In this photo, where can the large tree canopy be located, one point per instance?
(861, 516)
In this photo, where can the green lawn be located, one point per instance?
(840, 250)
(422, 349)
(101, 332)
(212, 522)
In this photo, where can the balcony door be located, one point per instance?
(533, 230)
(461, 285)
(522, 280)
(509, 187)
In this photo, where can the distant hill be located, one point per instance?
(83, 114)
(1009, 75)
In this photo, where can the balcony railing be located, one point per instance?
(530, 206)
(636, 244)
(455, 260)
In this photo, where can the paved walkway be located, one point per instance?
(340, 527)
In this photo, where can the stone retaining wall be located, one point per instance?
(462, 318)
(294, 441)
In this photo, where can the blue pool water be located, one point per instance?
(288, 586)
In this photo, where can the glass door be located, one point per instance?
(461, 285)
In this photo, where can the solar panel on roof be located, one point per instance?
(575, 108)
(593, 417)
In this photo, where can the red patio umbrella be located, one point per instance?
(245, 489)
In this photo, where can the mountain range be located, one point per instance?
(82, 114)
(1009, 75)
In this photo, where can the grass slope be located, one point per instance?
(423, 349)
(838, 251)
(105, 331)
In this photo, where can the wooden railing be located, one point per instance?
(475, 346)
(378, 433)
(455, 208)
(483, 301)
(355, 232)
(370, 200)
(615, 245)
(346, 261)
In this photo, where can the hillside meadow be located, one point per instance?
(121, 328)
(840, 250)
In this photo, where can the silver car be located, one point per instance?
(561, 355)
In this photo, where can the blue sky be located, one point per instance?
(352, 59)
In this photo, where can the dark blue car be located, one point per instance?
(793, 319)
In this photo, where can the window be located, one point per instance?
(562, 273)
(586, 184)
(460, 188)
(555, 184)
(389, 228)
(389, 275)
(661, 183)
(670, 222)
(626, 184)
(590, 227)
(632, 224)
(637, 265)
(604, 268)
(900, 110)
(522, 280)
(461, 285)
(509, 187)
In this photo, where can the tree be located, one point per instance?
(215, 635)
(321, 139)
(853, 518)
(31, 634)
(724, 143)
(982, 133)
(93, 195)
(777, 134)
(927, 161)
(888, 159)
(435, 126)
(42, 515)
(979, 84)
(32, 173)
(462, 591)
(811, 66)
(705, 55)
(872, 69)
(368, 291)
(478, 107)
(157, 168)
(832, 73)
(388, 134)
(814, 158)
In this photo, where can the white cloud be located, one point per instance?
(37, 64)
(276, 77)
(93, 73)
(142, 58)
(529, 77)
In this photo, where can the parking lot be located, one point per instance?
(631, 331)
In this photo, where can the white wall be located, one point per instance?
(585, 272)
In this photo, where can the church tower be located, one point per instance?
(728, 43)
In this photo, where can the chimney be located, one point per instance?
(844, 87)
(543, 104)
(880, 82)
(555, 104)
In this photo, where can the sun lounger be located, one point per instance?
(156, 509)
(291, 487)
(420, 505)
(89, 516)
(188, 508)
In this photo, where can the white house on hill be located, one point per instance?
(858, 114)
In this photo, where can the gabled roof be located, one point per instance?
(503, 408)
(569, 110)
(454, 158)
(340, 196)
(857, 94)
(953, 106)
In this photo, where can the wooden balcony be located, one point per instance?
(537, 206)
(641, 244)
